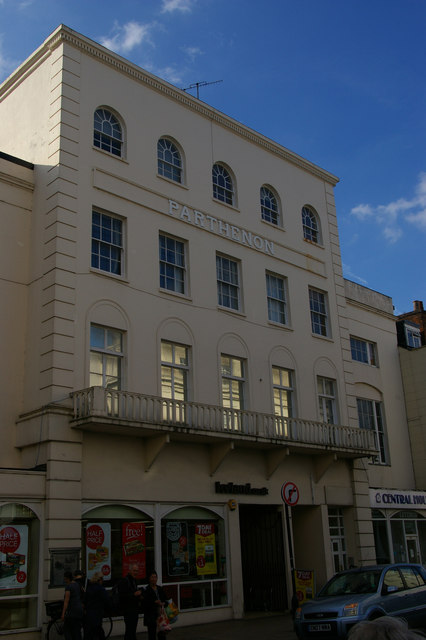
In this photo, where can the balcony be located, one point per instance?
(161, 420)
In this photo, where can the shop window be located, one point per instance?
(400, 537)
(381, 541)
(194, 558)
(114, 538)
(19, 553)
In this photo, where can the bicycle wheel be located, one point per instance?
(55, 630)
(107, 626)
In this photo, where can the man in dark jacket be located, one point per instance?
(130, 599)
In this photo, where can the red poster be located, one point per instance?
(133, 541)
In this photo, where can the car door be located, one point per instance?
(393, 593)
(415, 596)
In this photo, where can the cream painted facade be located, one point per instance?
(195, 442)
(413, 367)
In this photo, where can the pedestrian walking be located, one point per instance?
(154, 599)
(72, 610)
(96, 605)
(130, 601)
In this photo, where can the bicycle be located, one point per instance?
(55, 627)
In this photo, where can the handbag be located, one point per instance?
(163, 624)
(172, 612)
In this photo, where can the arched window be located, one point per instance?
(169, 160)
(269, 206)
(193, 553)
(311, 230)
(114, 537)
(107, 132)
(19, 553)
(223, 187)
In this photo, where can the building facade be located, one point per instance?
(182, 352)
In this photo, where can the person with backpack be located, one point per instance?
(130, 601)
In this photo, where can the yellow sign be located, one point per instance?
(305, 584)
(205, 549)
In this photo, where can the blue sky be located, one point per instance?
(340, 82)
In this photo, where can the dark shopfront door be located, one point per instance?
(262, 555)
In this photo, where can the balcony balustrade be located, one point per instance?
(125, 412)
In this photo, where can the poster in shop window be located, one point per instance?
(13, 556)
(133, 541)
(177, 549)
(205, 549)
(98, 549)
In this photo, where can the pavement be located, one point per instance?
(252, 627)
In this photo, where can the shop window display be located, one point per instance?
(19, 543)
(194, 558)
(115, 537)
(400, 536)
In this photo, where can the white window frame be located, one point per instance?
(175, 269)
(373, 419)
(367, 351)
(169, 160)
(269, 206)
(228, 277)
(412, 336)
(223, 184)
(174, 366)
(283, 393)
(108, 250)
(108, 353)
(311, 231)
(327, 401)
(336, 529)
(107, 132)
(232, 389)
(318, 305)
(277, 304)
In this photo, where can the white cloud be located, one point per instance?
(350, 275)
(127, 37)
(185, 6)
(192, 52)
(391, 216)
(170, 73)
(7, 65)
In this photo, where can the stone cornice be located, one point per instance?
(7, 178)
(367, 307)
(64, 34)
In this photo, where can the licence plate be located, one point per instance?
(319, 627)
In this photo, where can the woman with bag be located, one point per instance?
(154, 602)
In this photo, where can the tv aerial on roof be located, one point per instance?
(197, 85)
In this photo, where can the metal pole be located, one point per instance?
(294, 600)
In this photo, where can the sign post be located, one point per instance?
(290, 497)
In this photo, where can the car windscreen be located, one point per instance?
(351, 583)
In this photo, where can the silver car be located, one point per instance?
(364, 594)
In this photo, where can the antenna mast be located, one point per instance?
(200, 84)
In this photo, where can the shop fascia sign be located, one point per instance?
(240, 489)
(391, 498)
(220, 227)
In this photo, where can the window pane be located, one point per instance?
(114, 341)
(96, 363)
(181, 355)
(166, 352)
(97, 337)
